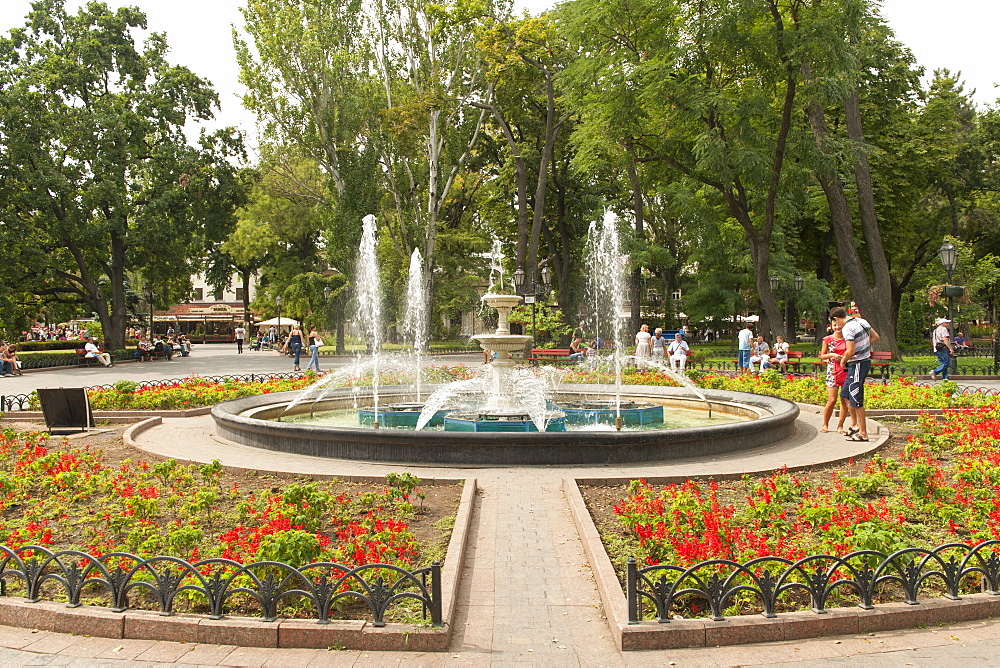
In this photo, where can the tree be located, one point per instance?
(97, 163)
(709, 90)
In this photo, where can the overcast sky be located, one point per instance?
(958, 35)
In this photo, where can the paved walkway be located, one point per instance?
(527, 596)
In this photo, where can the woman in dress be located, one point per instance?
(833, 348)
(314, 343)
(294, 344)
(643, 345)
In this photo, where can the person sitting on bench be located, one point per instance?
(94, 351)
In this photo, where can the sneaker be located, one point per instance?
(933, 376)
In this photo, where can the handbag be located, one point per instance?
(318, 341)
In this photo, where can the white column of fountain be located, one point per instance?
(503, 343)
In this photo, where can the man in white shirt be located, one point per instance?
(240, 334)
(678, 352)
(856, 361)
(943, 349)
(94, 351)
(743, 353)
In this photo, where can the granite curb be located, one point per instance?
(648, 635)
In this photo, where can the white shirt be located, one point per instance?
(781, 350)
(744, 337)
(92, 349)
(678, 348)
(240, 332)
(941, 333)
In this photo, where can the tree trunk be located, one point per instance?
(638, 212)
(873, 297)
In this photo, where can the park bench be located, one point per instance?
(881, 361)
(550, 356)
(795, 360)
(81, 357)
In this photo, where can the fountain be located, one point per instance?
(505, 414)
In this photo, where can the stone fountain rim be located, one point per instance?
(506, 449)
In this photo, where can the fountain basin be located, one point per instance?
(250, 421)
(633, 413)
(397, 416)
(493, 421)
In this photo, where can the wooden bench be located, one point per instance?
(81, 357)
(881, 359)
(550, 356)
(795, 359)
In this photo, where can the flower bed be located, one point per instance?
(66, 497)
(900, 392)
(196, 391)
(937, 486)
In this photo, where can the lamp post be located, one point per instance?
(798, 282)
(949, 259)
(531, 290)
(326, 305)
(148, 294)
(277, 302)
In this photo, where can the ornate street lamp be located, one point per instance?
(531, 290)
(798, 282)
(147, 292)
(949, 260)
(277, 301)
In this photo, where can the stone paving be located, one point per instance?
(526, 597)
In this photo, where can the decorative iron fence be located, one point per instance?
(266, 584)
(865, 574)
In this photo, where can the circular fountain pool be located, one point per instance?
(750, 421)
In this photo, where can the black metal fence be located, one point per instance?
(22, 402)
(865, 574)
(68, 574)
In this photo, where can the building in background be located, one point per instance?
(211, 316)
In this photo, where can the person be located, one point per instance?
(709, 335)
(142, 349)
(743, 349)
(760, 353)
(576, 349)
(94, 351)
(8, 361)
(678, 352)
(185, 345)
(960, 343)
(294, 344)
(314, 343)
(272, 335)
(643, 345)
(240, 334)
(487, 356)
(859, 335)
(779, 354)
(941, 342)
(591, 351)
(832, 350)
(657, 343)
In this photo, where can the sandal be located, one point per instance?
(823, 430)
(857, 438)
(840, 430)
(851, 431)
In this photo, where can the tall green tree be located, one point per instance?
(96, 161)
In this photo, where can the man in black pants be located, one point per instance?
(240, 334)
